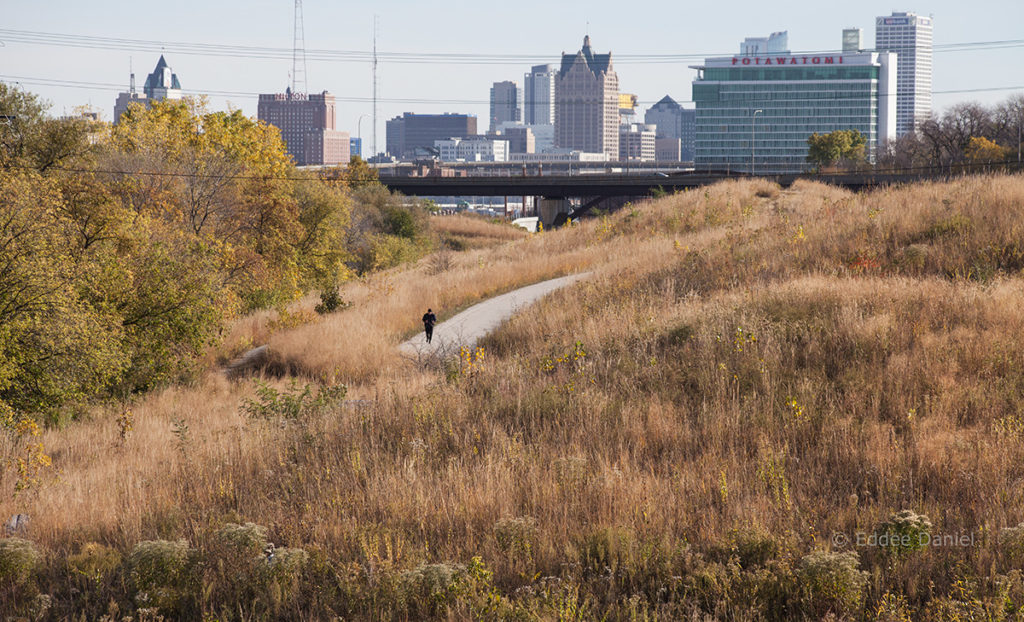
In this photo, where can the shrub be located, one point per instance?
(831, 583)
(293, 403)
(751, 547)
(246, 540)
(248, 571)
(282, 574)
(330, 301)
(1011, 541)
(904, 532)
(434, 587)
(162, 574)
(94, 561)
(18, 560)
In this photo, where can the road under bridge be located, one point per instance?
(593, 190)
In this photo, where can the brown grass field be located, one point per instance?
(724, 422)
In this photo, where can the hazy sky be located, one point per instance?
(528, 31)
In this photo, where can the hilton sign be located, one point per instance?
(788, 60)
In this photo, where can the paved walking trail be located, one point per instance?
(467, 327)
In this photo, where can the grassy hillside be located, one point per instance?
(765, 404)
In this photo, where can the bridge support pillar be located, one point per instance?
(549, 209)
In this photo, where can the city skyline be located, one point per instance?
(414, 74)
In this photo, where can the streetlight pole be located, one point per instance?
(753, 118)
(359, 132)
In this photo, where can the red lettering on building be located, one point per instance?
(746, 61)
(781, 60)
(828, 60)
(816, 60)
(735, 60)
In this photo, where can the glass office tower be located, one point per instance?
(755, 113)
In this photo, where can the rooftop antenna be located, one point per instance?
(131, 80)
(376, 26)
(299, 52)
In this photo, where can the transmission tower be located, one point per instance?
(299, 52)
(375, 28)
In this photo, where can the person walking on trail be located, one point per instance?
(429, 319)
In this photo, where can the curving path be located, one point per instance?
(467, 327)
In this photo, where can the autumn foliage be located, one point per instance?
(124, 249)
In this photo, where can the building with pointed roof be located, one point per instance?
(587, 103)
(674, 122)
(161, 84)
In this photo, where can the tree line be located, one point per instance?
(124, 249)
(964, 137)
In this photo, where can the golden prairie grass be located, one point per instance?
(748, 372)
(476, 227)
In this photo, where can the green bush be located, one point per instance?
(94, 561)
(904, 532)
(751, 548)
(293, 403)
(330, 301)
(246, 540)
(247, 571)
(18, 560)
(431, 588)
(162, 575)
(831, 583)
(1011, 542)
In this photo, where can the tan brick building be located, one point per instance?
(587, 103)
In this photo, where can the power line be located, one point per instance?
(115, 87)
(940, 170)
(415, 57)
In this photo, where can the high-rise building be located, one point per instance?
(910, 37)
(773, 43)
(587, 103)
(307, 126)
(636, 143)
(414, 134)
(688, 135)
(755, 113)
(504, 104)
(161, 84)
(539, 95)
(674, 121)
(853, 39)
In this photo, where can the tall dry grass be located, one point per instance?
(749, 371)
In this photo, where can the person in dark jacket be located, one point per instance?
(429, 319)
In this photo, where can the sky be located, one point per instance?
(443, 56)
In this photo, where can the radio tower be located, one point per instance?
(299, 53)
(375, 26)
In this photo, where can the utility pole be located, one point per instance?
(753, 118)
